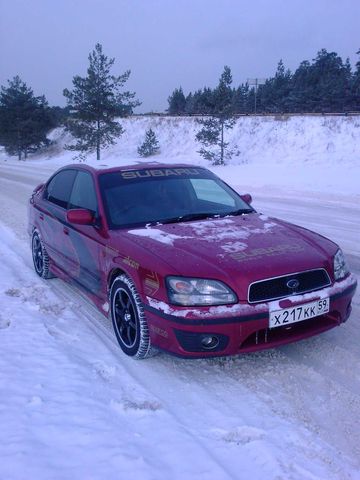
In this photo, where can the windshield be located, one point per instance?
(139, 197)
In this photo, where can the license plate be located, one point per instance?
(299, 313)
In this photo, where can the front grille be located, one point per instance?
(275, 288)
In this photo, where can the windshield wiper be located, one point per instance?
(241, 211)
(201, 216)
(189, 216)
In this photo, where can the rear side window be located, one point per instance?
(83, 194)
(59, 188)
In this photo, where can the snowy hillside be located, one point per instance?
(254, 140)
(320, 153)
(72, 406)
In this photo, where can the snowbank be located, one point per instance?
(318, 153)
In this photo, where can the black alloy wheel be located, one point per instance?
(125, 317)
(40, 257)
(128, 318)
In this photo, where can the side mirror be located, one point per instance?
(80, 216)
(247, 198)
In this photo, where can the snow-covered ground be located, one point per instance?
(73, 406)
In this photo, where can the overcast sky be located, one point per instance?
(168, 43)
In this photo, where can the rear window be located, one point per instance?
(59, 188)
(83, 193)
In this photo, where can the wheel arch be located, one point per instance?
(137, 275)
(115, 272)
(134, 276)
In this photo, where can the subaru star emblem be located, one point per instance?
(293, 284)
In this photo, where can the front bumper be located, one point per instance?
(243, 327)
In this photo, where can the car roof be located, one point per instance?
(104, 168)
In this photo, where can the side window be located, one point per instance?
(210, 191)
(59, 188)
(83, 194)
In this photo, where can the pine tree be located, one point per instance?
(355, 86)
(197, 102)
(95, 101)
(200, 102)
(329, 78)
(24, 119)
(239, 99)
(281, 88)
(177, 102)
(300, 96)
(206, 104)
(347, 80)
(150, 146)
(212, 133)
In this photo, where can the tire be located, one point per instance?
(128, 318)
(40, 257)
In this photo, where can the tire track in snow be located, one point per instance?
(139, 371)
(91, 318)
(216, 437)
(102, 328)
(14, 199)
(23, 180)
(155, 370)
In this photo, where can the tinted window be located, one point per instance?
(83, 193)
(59, 188)
(159, 195)
(147, 201)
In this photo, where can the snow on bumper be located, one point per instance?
(242, 327)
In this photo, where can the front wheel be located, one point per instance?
(128, 318)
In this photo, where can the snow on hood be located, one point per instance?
(218, 230)
(156, 234)
(229, 230)
(251, 246)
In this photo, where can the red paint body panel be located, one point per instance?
(236, 250)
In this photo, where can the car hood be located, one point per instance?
(235, 249)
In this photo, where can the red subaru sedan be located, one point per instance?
(183, 263)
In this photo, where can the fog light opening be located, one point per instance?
(209, 342)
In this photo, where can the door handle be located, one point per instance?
(41, 216)
(66, 231)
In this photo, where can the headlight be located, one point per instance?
(198, 291)
(340, 267)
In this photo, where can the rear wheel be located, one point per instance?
(40, 257)
(128, 318)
